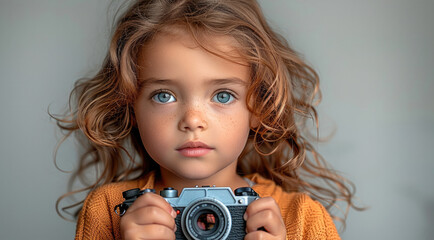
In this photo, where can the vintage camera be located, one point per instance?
(203, 212)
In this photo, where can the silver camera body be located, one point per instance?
(211, 213)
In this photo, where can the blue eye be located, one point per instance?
(163, 97)
(223, 97)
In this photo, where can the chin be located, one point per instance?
(194, 173)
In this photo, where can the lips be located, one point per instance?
(194, 149)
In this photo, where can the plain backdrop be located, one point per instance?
(375, 59)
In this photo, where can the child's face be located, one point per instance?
(191, 111)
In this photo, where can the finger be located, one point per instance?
(153, 231)
(262, 204)
(151, 199)
(269, 220)
(258, 235)
(149, 215)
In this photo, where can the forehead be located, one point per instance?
(223, 46)
(178, 54)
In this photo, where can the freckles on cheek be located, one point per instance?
(234, 127)
(157, 127)
(229, 124)
(157, 123)
(233, 121)
(233, 136)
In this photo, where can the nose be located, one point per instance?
(193, 120)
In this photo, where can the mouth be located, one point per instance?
(194, 149)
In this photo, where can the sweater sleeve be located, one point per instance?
(94, 221)
(308, 219)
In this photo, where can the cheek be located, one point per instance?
(235, 131)
(155, 132)
(234, 125)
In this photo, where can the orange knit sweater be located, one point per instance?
(304, 217)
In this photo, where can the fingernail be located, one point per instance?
(173, 213)
(175, 228)
(245, 216)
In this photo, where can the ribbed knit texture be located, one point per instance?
(304, 217)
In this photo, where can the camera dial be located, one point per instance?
(245, 191)
(131, 193)
(169, 193)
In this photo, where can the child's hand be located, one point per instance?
(150, 217)
(264, 221)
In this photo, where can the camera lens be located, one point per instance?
(206, 219)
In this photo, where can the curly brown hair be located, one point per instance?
(282, 95)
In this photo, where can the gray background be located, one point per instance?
(376, 63)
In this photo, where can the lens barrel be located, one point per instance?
(206, 219)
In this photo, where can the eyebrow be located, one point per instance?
(156, 81)
(224, 81)
(215, 82)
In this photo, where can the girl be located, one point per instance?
(201, 92)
